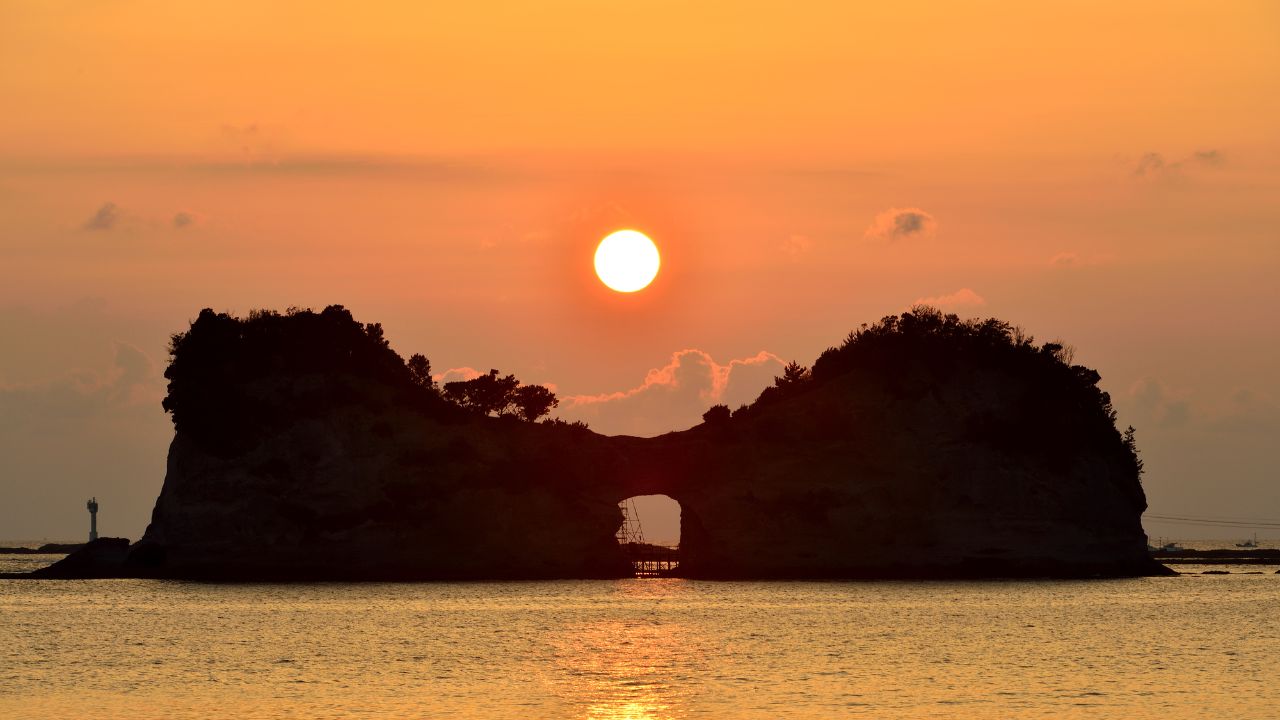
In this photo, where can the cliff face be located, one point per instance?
(361, 494)
(957, 463)
(853, 481)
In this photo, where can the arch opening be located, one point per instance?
(649, 535)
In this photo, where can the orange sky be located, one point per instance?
(1109, 176)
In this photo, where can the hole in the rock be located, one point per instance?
(650, 534)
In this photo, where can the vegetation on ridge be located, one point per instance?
(216, 366)
(914, 353)
(1048, 405)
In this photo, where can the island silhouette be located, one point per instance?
(922, 446)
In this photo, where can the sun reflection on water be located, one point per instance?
(628, 711)
(631, 668)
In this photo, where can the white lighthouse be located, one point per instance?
(93, 519)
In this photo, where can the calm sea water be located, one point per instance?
(1185, 647)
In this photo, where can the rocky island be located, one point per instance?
(923, 446)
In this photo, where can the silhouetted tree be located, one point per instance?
(1063, 352)
(1131, 445)
(420, 372)
(716, 415)
(533, 401)
(374, 331)
(488, 394)
(493, 394)
(793, 374)
(575, 425)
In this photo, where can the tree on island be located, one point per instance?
(1131, 444)
(924, 349)
(488, 394)
(420, 372)
(716, 415)
(793, 374)
(503, 396)
(533, 401)
(222, 365)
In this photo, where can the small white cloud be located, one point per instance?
(964, 297)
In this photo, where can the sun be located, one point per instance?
(627, 261)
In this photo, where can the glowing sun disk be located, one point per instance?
(627, 261)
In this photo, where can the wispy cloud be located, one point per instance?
(1248, 411)
(796, 245)
(132, 381)
(900, 223)
(1072, 260)
(105, 218)
(674, 396)
(964, 297)
(1153, 164)
(1158, 404)
(455, 374)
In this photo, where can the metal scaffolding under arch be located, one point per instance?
(647, 559)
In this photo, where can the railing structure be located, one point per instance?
(648, 560)
(653, 560)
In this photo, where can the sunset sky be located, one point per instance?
(1105, 176)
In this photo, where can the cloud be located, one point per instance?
(964, 297)
(1149, 163)
(455, 374)
(1207, 157)
(796, 245)
(105, 219)
(1248, 411)
(674, 396)
(131, 382)
(1156, 404)
(1153, 164)
(135, 377)
(1073, 260)
(1243, 412)
(183, 219)
(898, 223)
(251, 142)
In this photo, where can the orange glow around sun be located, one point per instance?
(627, 261)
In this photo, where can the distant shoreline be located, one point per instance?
(46, 549)
(1219, 556)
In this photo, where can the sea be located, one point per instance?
(1192, 646)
